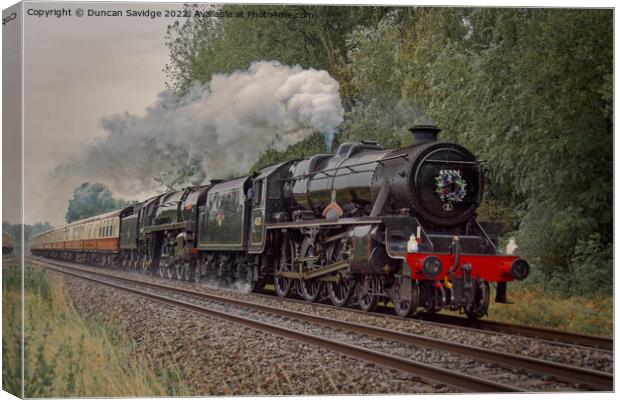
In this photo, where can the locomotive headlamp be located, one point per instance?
(431, 266)
(519, 269)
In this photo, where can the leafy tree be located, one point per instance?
(202, 46)
(91, 199)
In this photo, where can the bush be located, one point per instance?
(591, 269)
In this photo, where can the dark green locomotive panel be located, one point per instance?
(167, 212)
(175, 209)
(222, 225)
(129, 232)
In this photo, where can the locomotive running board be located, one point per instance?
(322, 222)
(315, 273)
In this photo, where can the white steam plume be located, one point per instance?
(224, 125)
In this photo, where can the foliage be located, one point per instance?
(592, 267)
(534, 305)
(91, 199)
(68, 355)
(203, 46)
(379, 111)
(12, 338)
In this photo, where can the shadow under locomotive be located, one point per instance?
(362, 225)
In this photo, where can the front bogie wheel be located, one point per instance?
(407, 307)
(481, 302)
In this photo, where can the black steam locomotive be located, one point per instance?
(363, 225)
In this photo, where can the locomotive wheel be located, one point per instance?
(407, 307)
(285, 263)
(340, 293)
(170, 273)
(162, 268)
(196, 277)
(481, 302)
(196, 273)
(366, 294)
(182, 271)
(147, 263)
(311, 288)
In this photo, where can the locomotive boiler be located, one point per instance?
(361, 226)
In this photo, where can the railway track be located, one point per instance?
(551, 335)
(591, 379)
(442, 320)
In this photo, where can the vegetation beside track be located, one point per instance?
(67, 354)
(533, 305)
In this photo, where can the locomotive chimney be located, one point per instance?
(424, 133)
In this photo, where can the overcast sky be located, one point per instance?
(76, 71)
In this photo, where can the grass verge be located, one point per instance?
(68, 355)
(534, 306)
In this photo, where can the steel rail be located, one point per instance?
(449, 321)
(593, 379)
(454, 379)
(551, 335)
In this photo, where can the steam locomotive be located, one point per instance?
(364, 225)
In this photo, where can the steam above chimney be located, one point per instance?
(424, 133)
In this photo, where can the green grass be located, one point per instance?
(67, 354)
(534, 306)
(11, 328)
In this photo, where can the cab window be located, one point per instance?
(259, 192)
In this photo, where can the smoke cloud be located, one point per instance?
(217, 130)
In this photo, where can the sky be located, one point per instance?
(95, 110)
(78, 70)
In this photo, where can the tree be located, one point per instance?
(91, 199)
(202, 46)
